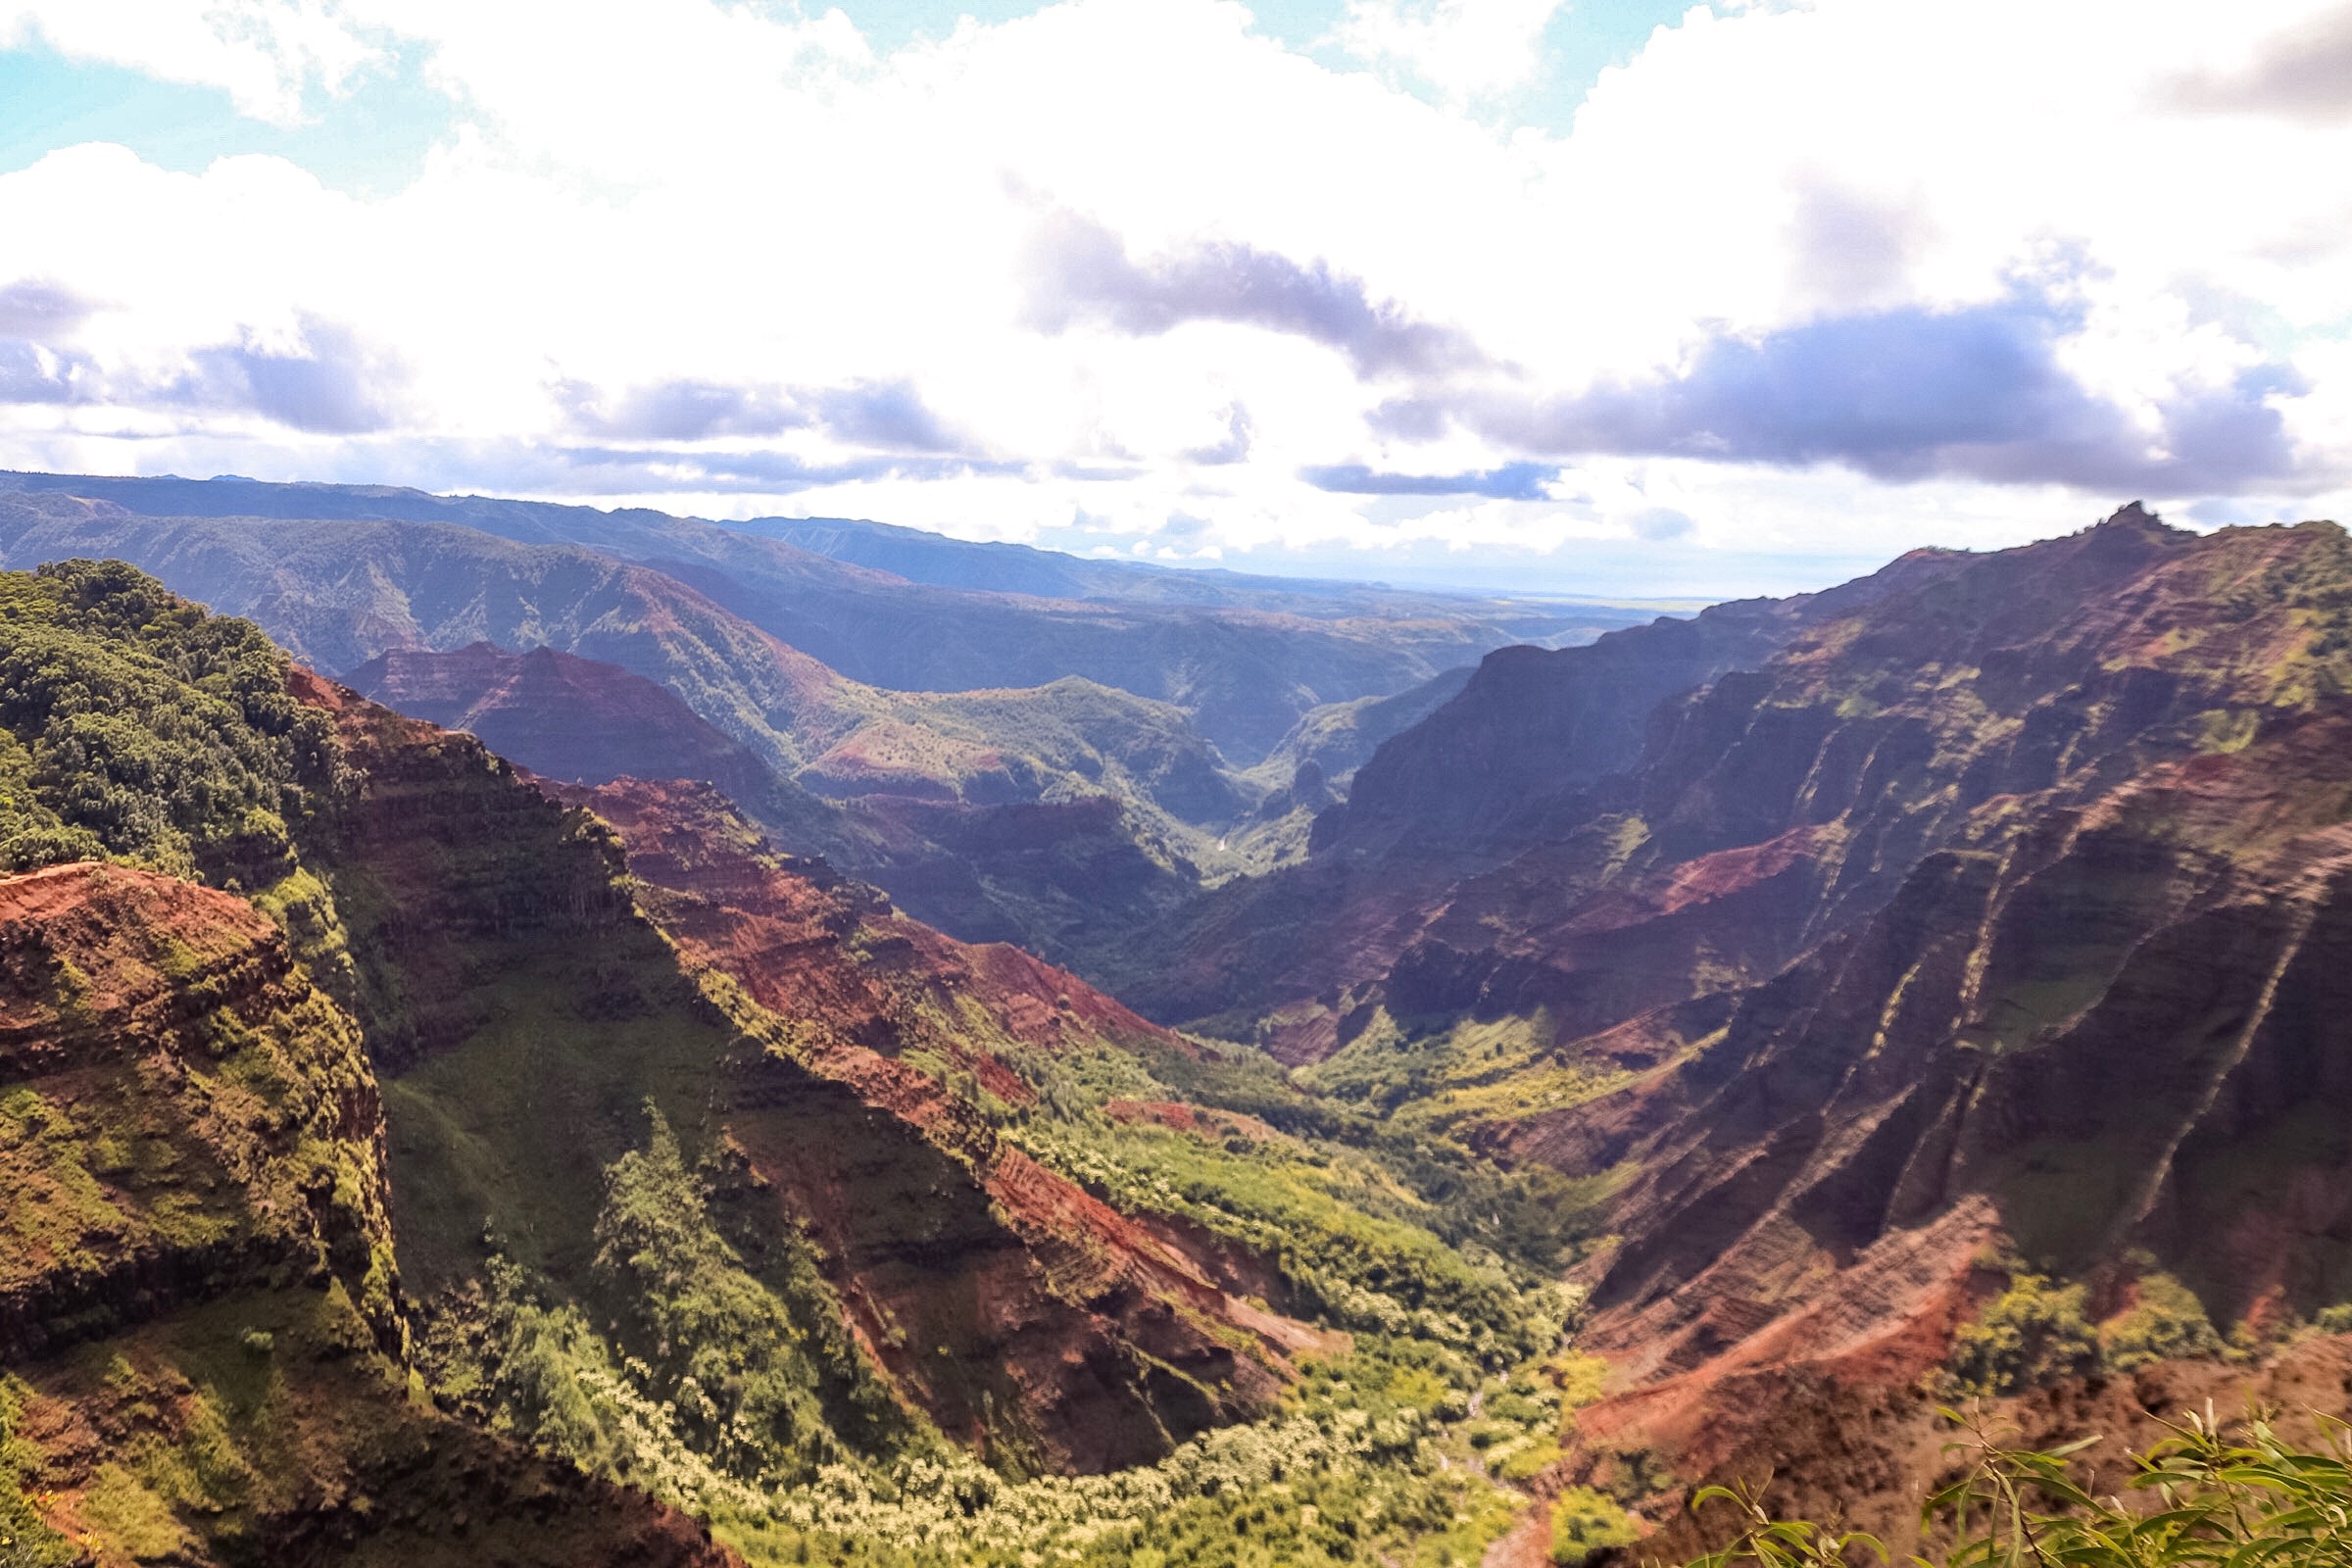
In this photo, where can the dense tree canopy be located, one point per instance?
(135, 727)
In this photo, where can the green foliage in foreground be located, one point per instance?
(134, 726)
(2200, 1500)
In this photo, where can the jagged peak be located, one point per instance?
(2135, 516)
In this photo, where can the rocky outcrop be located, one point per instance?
(1995, 914)
(1771, 807)
(1509, 758)
(2106, 1042)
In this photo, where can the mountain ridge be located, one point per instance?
(706, 1187)
(1245, 674)
(1703, 1050)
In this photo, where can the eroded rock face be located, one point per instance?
(1789, 762)
(532, 982)
(1109, 1340)
(200, 1335)
(1999, 908)
(184, 1116)
(2111, 1040)
(1513, 789)
(2072, 1025)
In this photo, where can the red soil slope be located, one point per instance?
(1059, 1287)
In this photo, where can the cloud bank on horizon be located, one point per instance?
(1796, 285)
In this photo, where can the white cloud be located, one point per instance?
(265, 54)
(698, 197)
(1466, 49)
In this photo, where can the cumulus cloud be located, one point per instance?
(31, 372)
(889, 414)
(1902, 395)
(884, 413)
(1234, 448)
(683, 410)
(1849, 250)
(1126, 260)
(330, 381)
(723, 472)
(1080, 272)
(1466, 49)
(2302, 72)
(40, 311)
(324, 378)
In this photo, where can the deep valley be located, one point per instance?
(533, 1035)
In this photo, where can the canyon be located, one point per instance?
(616, 1050)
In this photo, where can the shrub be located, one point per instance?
(2167, 1322)
(1585, 1523)
(2034, 1332)
(26, 1541)
(1527, 1461)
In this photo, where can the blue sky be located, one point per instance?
(370, 143)
(374, 137)
(1590, 295)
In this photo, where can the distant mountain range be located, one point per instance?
(597, 1059)
(1246, 658)
(930, 704)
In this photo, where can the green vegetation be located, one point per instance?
(1370, 1231)
(24, 1540)
(1585, 1523)
(2165, 1323)
(2313, 591)
(2038, 1332)
(134, 726)
(1442, 1079)
(640, 1351)
(537, 1047)
(2202, 1499)
(708, 1386)
(1351, 1472)
(241, 1140)
(720, 1394)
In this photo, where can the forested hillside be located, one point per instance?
(347, 1069)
